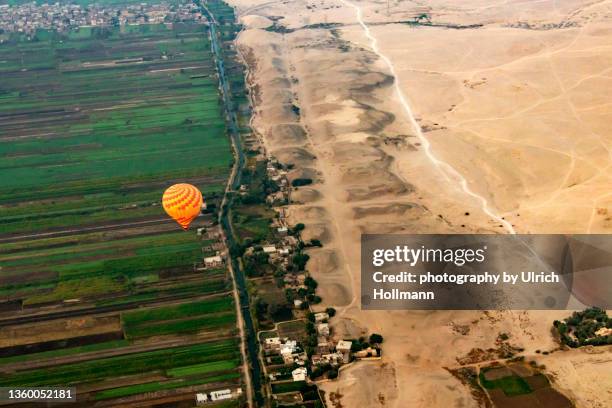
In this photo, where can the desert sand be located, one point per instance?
(492, 119)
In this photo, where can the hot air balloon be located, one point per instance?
(183, 202)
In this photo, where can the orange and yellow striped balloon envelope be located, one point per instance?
(183, 202)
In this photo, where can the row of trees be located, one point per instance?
(581, 327)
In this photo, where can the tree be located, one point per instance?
(280, 312)
(252, 198)
(330, 311)
(290, 295)
(315, 243)
(356, 346)
(297, 228)
(301, 182)
(316, 372)
(376, 338)
(299, 260)
(310, 283)
(261, 308)
(314, 299)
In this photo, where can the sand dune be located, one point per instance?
(507, 129)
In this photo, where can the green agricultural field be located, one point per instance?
(279, 388)
(65, 352)
(135, 363)
(511, 385)
(141, 317)
(214, 323)
(86, 138)
(204, 368)
(214, 314)
(98, 268)
(94, 125)
(157, 386)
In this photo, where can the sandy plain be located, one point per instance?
(493, 118)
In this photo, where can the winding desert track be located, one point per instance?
(448, 171)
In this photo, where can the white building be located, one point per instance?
(288, 348)
(269, 249)
(213, 261)
(221, 395)
(201, 399)
(299, 374)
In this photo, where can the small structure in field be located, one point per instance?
(221, 395)
(213, 261)
(201, 398)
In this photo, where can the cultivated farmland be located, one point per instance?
(98, 288)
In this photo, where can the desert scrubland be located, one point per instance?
(438, 117)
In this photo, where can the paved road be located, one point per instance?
(247, 329)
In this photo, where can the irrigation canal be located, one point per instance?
(234, 183)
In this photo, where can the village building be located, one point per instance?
(323, 329)
(365, 353)
(344, 347)
(333, 358)
(275, 198)
(213, 261)
(323, 347)
(321, 316)
(290, 240)
(299, 374)
(289, 347)
(294, 280)
(288, 359)
(272, 343)
(269, 249)
(30, 17)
